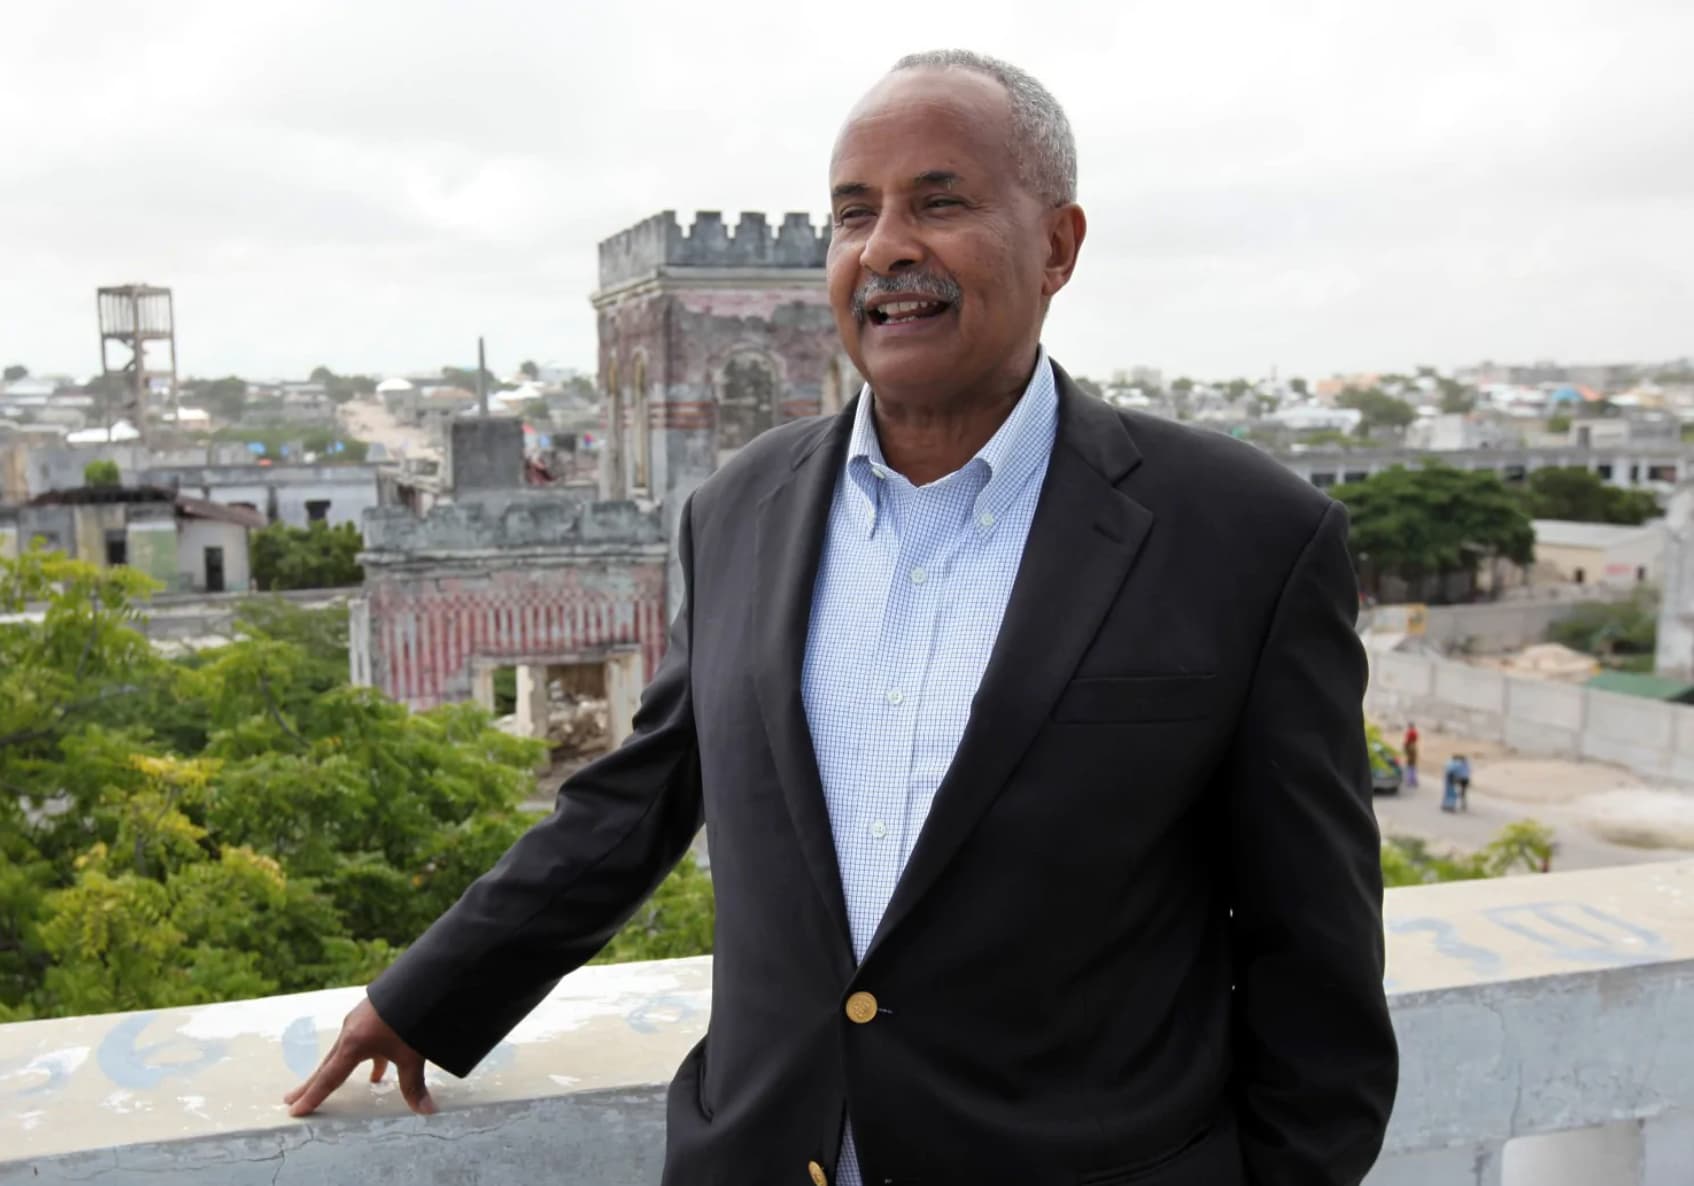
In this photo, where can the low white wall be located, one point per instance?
(1544, 717)
(1525, 1007)
(1490, 627)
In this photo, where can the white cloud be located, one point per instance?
(1318, 185)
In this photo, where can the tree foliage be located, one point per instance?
(1524, 846)
(1379, 409)
(224, 398)
(104, 472)
(236, 824)
(342, 388)
(14, 372)
(1433, 521)
(1571, 492)
(317, 556)
(1611, 629)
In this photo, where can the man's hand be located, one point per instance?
(364, 1036)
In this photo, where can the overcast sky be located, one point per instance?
(1315, 185)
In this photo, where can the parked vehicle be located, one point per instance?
(1386, 775)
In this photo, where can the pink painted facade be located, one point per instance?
(430, 632)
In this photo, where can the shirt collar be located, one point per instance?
(1017, 449)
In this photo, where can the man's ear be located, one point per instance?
(1067, 226)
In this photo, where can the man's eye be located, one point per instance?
(937, 203)
(852, 214)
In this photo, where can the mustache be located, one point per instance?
(923, 284)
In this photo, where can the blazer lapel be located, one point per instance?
(1084, 538)
(792, 523)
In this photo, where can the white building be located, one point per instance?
(1600, 553)
(1317, 418)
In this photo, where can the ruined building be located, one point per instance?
(707, 338)
(506, 575)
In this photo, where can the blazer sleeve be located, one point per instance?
(1316, 1064)
(566, 887)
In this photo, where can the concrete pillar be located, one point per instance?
(1446, 1167)
(1580, 1157)
(482, 687)
(1667, 1150)
(532, 700)
(623, 694)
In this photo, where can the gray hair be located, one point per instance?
(1041, 135)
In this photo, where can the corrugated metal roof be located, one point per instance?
(1631, 683)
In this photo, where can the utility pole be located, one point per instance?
(481, 377)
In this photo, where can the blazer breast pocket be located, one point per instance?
(1130, 699)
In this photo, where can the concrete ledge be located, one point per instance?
(1530, 1005)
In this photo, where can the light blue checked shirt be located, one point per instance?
(910, 592)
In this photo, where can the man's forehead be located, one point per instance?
(921, 122)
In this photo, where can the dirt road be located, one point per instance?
(367, 419)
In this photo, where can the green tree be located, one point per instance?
(465, 379)
(224, 398)
(102, 473)
(1380, 410)
(1455, 396)
(1612, 630)
(1298, 387)
(1558, 423)
(1236, 389)
(342, 388)
(529, 369)
(1525, 846)
(1433, 521)
(1574, 493)
(237, 824)
(313, 557)
(14, 372)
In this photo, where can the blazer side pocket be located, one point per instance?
(1105, 700)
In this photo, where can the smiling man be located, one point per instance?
(1026, 733)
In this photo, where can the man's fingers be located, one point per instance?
(332, 1074)
(379, 1067)
(413, 1089)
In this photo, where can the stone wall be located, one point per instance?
(1546, 1027)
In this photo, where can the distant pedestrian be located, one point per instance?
(1410, 746)
(1456, 785)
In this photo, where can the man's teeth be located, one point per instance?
(898, 311)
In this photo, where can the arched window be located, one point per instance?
(748, 399)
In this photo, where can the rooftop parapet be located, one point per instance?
(660, 242)
(1552, 1012)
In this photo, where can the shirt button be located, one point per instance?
(919, 576)
(879, 471)
(879, 829)
(896, 696)
(985, 519)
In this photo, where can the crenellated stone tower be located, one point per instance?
(707, 338)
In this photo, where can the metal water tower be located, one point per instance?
(131, 316)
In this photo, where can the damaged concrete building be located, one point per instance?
(706, 338)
